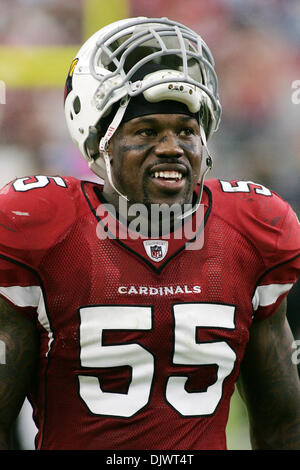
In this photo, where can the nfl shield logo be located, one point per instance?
(156, 249)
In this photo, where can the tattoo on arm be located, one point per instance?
(18, 360)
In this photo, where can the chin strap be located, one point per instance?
(103, 146)
(208, 167)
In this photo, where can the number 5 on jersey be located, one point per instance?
(187, 318)
(34, 182)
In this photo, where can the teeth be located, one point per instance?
(168, 174)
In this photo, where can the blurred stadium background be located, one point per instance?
(256, 45)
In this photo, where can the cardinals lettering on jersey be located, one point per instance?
(142, 347)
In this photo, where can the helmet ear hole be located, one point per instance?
(76, 105)
(71, 115)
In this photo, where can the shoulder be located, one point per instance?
(260, 214)
(240, 201)
(38, 197)
(35, 209)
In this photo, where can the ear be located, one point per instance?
(92, 142)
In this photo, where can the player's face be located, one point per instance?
(157, 158)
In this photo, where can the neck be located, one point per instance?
(148, 219)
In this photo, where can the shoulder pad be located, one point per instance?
(35, 210)
(266, 219)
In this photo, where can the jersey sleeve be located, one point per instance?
(281, 253)
(20, 287)
(35, 212)
(271, 226)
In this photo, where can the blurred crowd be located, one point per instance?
(256, 46)
(256, 49)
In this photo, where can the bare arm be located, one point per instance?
(270, 386)
(19, 345)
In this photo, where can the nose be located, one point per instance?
(167, 146)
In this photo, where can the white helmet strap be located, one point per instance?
(208, 167)
(109, 175)
(114, 124)
(103, 146)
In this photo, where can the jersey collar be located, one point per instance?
(155, 252)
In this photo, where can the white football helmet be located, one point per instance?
(102, 73)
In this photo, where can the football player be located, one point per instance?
(125, 337)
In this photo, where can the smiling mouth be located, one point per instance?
(168, 181)
(168, 175)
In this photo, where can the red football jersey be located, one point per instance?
(141, 339)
